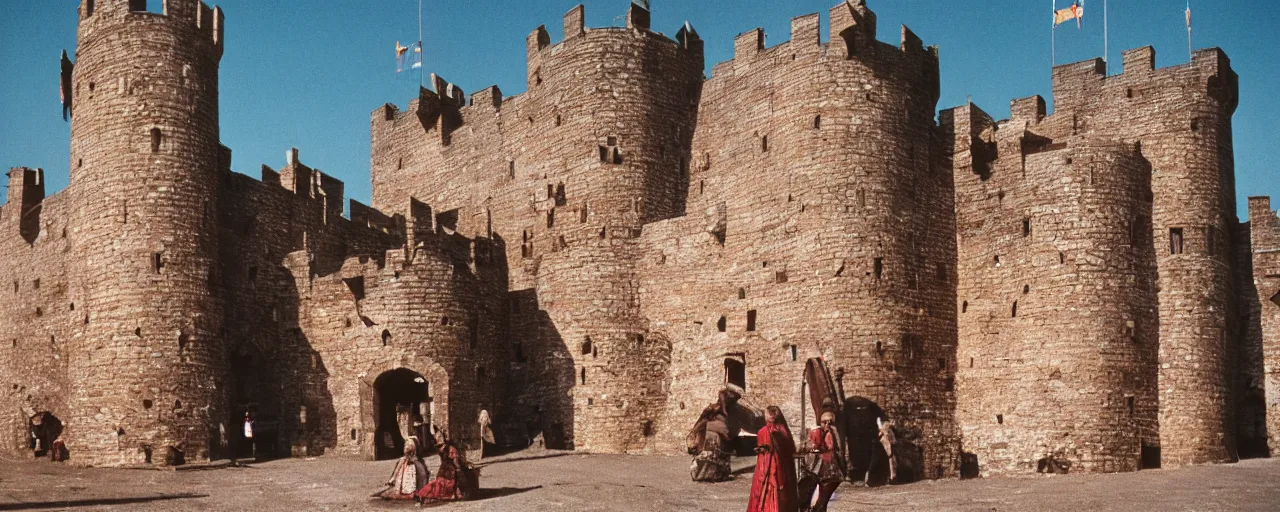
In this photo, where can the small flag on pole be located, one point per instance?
(408, 57)
(1075, 12)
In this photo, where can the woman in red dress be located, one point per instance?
(455, 480)
(773, 488)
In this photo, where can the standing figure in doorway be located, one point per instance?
(773, 487)
(824, 467)
(248, 436)
(886, 440)
(486, 431)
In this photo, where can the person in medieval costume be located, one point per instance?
(773, 487)
(405, 476)
(427, 446)
(887, 439)
(456, 479)
(708, 442)
(486, 431)
(824, 467)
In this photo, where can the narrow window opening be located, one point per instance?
(561, 200)
(511, 169)
(155, 140)
(764, 144)
(742, 293)
(158, 262)
(751, 320)
(39, 312)
(1014, 310)
(582, 214)
(147, 404)
(942, 364)
(183, 339)
(1026, 228)
(997, 260)
(735, 371)
(353, 434)
(1000, 419)
(721, 324)
(386, 338)
(400, 164)
(88, 8)
(1175, 240)
(1128, 93)
(878, 268)
(862, 198)
(795, 352)
(1062, 258)
(137, 331)
(1130, 403)
(964, 307)
(971, 362)
(36, 284)
(551, 218)
(583, 375)
(817, 122)
(586, 346)
(1026, 289)
(1195, 125)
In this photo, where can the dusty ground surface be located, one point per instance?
(570, 481)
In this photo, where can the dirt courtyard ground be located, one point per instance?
(570, 481)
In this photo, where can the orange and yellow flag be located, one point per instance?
(1075, 12)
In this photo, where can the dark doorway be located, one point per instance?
(735, 371)
(1150, 456)
(45, 428)
(396, 393)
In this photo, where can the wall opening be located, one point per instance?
(157, 262)
(398, 396)
(155, 140)
(1026, 289)
(583, 376)
(795, 352)
(764, 144)
(551, 218)
(511, 169)
(735, 370)
(721, 324)
(1175, 240)
(997, 260)
(386, 337)
(751, 320)
(1150, 456)
(586, 346)
(1026, 228)
(742, 293)
(817, 122)
(1014, 310)
(1129, 402)
(850, 36)
(88, 8)
(878, 268)
(964, 307)
(1000, 419)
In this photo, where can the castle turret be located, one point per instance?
(145, 168)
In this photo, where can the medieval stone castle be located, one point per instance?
(594, 259)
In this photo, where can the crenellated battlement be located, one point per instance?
(194, 15)
(853, 29)
(1084, 84)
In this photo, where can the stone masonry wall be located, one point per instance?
(818, 227)
(1265, 234)
(564, 176)
(1058, 319)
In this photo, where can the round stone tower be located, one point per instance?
(621, 153)
(145, 167)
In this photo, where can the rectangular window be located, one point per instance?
(1175, 240)
(751, 320)
(879, 268)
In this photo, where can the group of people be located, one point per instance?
(777, 485)
(46, 437)
(455, 479)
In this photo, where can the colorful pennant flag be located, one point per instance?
(408, 57)
(1075, 12)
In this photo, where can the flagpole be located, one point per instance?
(1106, 39)
(1190, 50)
(422, 70)
(1053, 37)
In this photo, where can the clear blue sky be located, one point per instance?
(307, 74)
